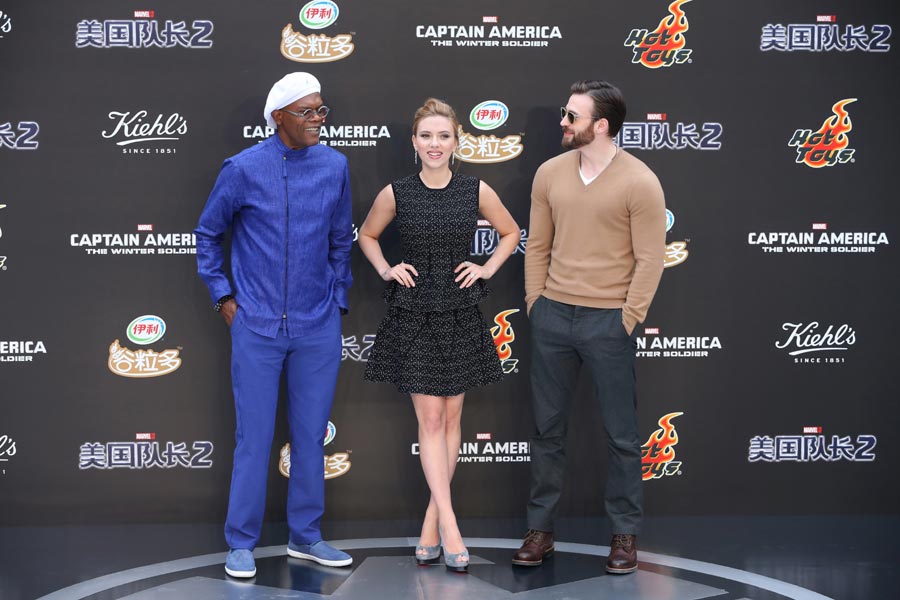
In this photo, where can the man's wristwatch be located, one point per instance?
(218, 305)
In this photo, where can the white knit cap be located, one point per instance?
(288, 89)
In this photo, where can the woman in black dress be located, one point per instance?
(433, 343)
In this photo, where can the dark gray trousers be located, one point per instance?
(563, 338)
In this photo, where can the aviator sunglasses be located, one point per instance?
(565, 113)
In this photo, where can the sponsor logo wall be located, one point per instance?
(665, 45)
(21, 350)
(144, 362)
(485, 449)
(812, 446)
(2, 257)
(658, 452)
(357, 350)
(139, 132)
(819, 240)
(813, 343)
(22, 135)
(337, 136)
(7, 451)
(145, 452)
(829, 145)
(654, 344)
(488, 148)
(144, 32)
(489, 33)
(825, 34)
(770, 139)
(144, 240)
(487, 239)
(504, 335)
(676, 252)
(316, 47)
(6, 24)
(336, 464)
(657, 133)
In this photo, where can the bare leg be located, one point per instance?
(435, 446)
(430, 535)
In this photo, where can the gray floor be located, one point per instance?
(399, 577)
(807, 558)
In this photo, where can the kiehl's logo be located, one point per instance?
(7, 447)
(664, 46)
(135, 128)
(805, 338)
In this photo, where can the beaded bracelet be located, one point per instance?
(218, 305)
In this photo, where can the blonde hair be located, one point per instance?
(436, 108)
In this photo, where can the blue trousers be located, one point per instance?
(311, 365)
(563, 338)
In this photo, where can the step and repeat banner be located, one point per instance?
(767, 374)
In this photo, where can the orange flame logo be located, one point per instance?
(664, 46)
(829, 145)
(658, 452)
(503, 334)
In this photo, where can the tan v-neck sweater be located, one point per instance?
(599, 245)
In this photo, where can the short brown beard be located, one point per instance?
(579, 139)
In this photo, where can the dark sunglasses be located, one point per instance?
(565, 113)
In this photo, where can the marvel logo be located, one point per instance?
(145, 436)
(482, 436)
(656, 116)
(145, 227)
(819, 226)
(651, 331)
(144, 14)
(826, 18)
(812, 430)
(490, 19)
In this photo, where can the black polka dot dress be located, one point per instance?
(434, 339)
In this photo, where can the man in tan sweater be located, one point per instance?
(595, 256)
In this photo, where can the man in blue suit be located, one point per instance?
(287, 203)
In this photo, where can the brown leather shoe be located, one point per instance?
(536, 546)
(622, 555)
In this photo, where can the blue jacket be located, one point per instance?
(290, 215)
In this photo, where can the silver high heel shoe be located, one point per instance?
(458, 562)
(427, 555)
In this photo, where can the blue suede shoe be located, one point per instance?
(240, 563)
(321, 553)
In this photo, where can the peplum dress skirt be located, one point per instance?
(434, 339)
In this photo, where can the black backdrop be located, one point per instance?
(771, 422)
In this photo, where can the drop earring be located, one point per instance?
(415, 157)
